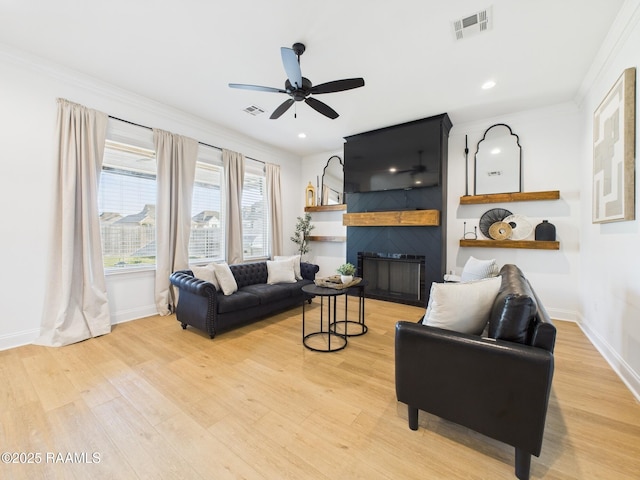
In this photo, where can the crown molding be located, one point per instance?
(625, 22)
(210, 132)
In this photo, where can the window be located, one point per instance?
(127, 203)
(206, 242)
(127, 198)
(255, 212)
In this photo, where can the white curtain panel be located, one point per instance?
(176, 159)
(234, 179)
(75, 305)
(274, 198)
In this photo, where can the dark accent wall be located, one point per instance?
(427, 241)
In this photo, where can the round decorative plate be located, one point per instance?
(490, 217)
(520, 226)
(500, 231)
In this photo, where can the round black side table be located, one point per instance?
(339, 340)
(352, 328)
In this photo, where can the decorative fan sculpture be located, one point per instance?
(490, 217)
(521, 228)
(300, 88)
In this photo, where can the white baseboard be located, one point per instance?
(133, 314)
(27, 337)
(630, 378)
(18, 339)
(560, 314)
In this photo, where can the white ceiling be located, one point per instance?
(183, 53)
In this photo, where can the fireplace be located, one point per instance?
(393, 277)
(389, 225)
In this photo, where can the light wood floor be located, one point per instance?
(153, 401)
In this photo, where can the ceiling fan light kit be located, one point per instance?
(300, 88)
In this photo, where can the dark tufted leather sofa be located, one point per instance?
(497, 384)
(202, 306)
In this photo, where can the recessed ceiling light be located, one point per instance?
(302, 135)
(488, 85)
(393, 170)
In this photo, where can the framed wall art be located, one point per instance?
(614, 152)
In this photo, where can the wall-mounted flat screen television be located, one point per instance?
(395, 158)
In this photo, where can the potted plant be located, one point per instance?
(300, 236)
(346, 271)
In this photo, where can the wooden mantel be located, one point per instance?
(398, 218)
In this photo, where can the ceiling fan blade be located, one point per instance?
(257, 88)
(322, 108)
(291, 66)
(338, 86)
(284, 106)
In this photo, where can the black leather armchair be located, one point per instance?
(497, 385)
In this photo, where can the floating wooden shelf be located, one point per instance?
(531, 244)
(399, 218)
(327, 238)
(510, 197)
(326, 208)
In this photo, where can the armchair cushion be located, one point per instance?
(462, 307)
(514, 309)
(476, 269)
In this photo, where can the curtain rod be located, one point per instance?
(201, 143)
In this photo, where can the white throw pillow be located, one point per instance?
(476, 269)
(280, 272)
(462, 307)
(225, 278)
(206, 273)
(296, 264)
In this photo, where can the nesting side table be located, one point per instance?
(339, 340)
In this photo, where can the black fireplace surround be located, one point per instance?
(402, 243)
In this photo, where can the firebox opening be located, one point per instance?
(393, 277)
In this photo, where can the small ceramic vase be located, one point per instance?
(545, 231)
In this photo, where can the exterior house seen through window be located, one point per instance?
(126, 202)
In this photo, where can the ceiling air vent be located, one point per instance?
(254, 110)
(473, 24)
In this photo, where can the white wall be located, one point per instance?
(595, 277)
(609, 291)
(29, 87)
(550, 161)
(327, 255)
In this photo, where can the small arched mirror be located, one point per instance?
(498, 161)
(332, 181)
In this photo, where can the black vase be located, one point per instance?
(546, 231)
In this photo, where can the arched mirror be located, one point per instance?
(498, 161)
(332, 181)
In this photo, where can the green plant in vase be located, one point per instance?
(346, 271)
(301, 235)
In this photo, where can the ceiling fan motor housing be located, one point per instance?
(298, 94)
(298, 48)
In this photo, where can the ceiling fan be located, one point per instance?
(300, 88)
